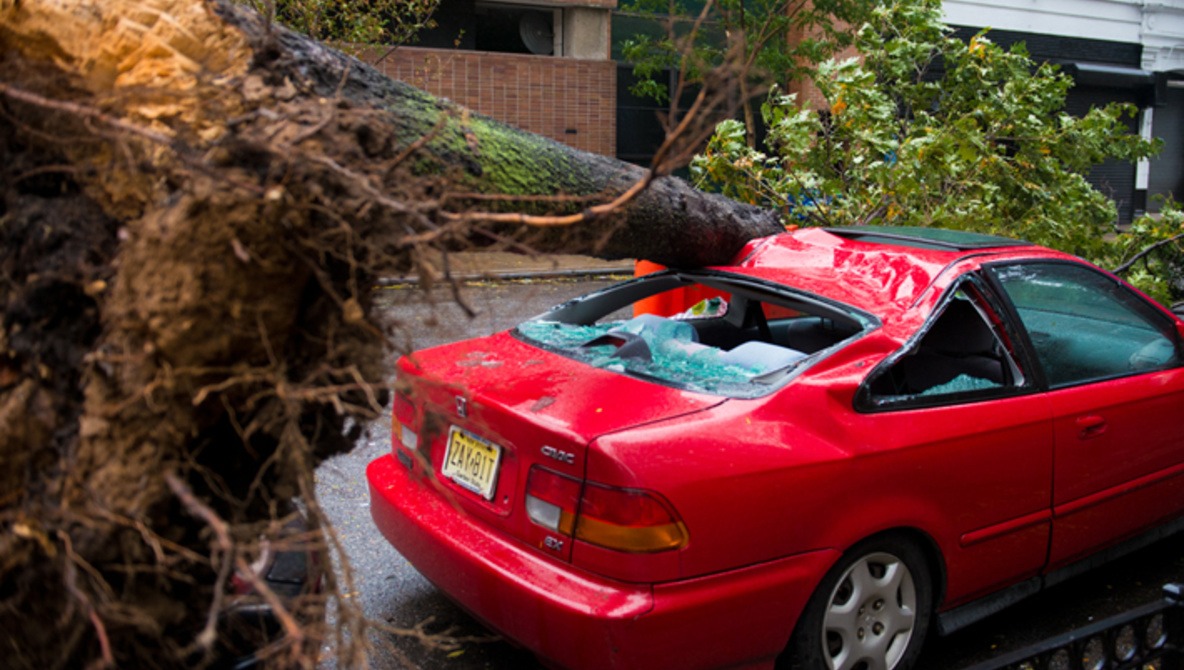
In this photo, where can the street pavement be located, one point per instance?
(390, 590)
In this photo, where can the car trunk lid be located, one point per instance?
(485, 412)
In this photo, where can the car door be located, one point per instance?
(1111, 361)
(973, 434)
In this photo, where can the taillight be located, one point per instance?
(402, 417)
(622, 519)
(551, 500)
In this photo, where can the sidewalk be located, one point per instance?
(476, 265)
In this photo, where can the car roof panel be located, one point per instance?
(879, 271)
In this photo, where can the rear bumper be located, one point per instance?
(573, 619)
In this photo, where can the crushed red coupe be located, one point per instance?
(851, 438)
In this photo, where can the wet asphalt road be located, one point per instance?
(390, 590)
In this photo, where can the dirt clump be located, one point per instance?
(186, 331)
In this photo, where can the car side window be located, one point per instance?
(1086, 326)
(961, 355)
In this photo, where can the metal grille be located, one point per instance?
(1147, 638)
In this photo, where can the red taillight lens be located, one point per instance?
(402, 418)
(551, 500)
(404, 409)
(622, 519)
(628, 520)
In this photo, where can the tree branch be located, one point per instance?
(1146, 251)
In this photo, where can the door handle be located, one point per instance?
(1090, 426)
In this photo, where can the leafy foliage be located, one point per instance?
(356, 22)
(928, 130)
(1152, 253)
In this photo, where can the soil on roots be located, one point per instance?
(186, 333)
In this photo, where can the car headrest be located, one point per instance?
(960, 330)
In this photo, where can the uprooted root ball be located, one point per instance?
(186, 327)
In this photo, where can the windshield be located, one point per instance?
(708, 332)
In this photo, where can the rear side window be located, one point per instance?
(1086, 326)
(962, 355)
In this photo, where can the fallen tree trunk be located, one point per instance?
(195, 204)
(669, 223)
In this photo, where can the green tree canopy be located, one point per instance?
(927, 130)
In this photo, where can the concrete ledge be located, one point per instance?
(477, 265)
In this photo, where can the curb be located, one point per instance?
(479, 266)
(496, 275)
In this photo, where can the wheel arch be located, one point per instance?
(932, 552)
(922, 541)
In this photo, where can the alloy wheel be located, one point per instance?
(871, 615)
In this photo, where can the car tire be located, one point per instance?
(872, 610)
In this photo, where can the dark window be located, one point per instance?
(469, 25)
(520, 30)
(1084, 325)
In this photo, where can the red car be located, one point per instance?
(857, 436)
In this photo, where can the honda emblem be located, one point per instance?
(462, 407)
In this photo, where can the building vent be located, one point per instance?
(537, 33)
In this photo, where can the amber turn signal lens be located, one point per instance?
(628, 520)
(614, 518)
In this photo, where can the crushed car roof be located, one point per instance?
(868, 267)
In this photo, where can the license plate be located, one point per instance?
(472, 462)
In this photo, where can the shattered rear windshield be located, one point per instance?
(708, 332)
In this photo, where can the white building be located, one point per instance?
(1116, 50)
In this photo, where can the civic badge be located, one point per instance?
(462, 407)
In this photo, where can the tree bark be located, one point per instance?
(194, 207)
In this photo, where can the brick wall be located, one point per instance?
(571, 101)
